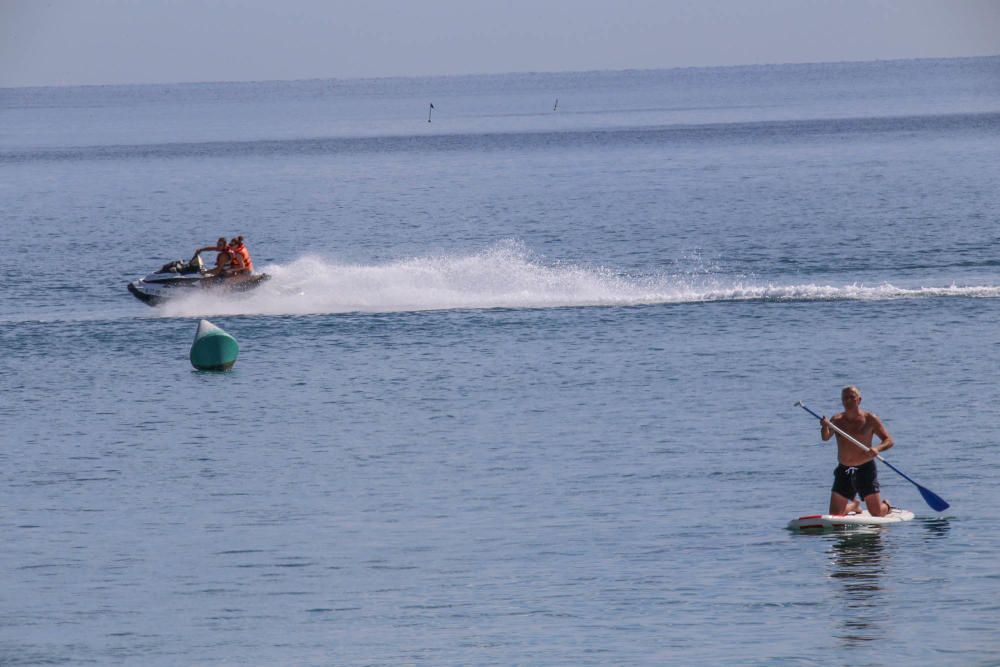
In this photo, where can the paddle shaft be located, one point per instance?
(843, 433)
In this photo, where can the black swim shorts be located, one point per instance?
(862, 479)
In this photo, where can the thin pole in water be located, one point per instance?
(429, 112)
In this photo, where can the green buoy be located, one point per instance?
(213, 348)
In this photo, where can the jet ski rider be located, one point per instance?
(242, 264)
(223, 260)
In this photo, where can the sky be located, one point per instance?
(82, 42)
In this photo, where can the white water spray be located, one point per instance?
(507, 276)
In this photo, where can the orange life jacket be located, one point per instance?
(241, 257)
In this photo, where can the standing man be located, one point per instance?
(856, 473)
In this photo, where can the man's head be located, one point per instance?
(221, 243)
(850, 396)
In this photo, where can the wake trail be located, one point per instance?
(508, 276)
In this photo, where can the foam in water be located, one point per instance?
(507, 276)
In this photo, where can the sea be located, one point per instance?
(521, 389)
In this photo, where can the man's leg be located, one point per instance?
(876, 506)
(839, 504)
(866, 479)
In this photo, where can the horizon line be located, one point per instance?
(211, 82)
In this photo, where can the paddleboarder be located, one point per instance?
(856, 474)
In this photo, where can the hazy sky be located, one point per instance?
(57, 42)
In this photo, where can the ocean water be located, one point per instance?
(520, 390)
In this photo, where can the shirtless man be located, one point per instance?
(856, 473)
(223, 260)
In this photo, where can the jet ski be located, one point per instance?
(181, 278)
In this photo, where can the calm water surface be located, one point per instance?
(520, 390)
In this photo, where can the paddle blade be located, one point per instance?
(936, 502)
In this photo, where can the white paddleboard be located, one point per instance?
(820, 521)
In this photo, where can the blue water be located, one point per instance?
(520, 390)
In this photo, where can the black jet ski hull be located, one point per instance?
(157, 289)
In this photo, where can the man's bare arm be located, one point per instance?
(883, 435)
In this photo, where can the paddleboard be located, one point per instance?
(821, 521)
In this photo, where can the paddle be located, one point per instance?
(936, 502)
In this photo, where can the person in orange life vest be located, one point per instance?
(241, 256)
